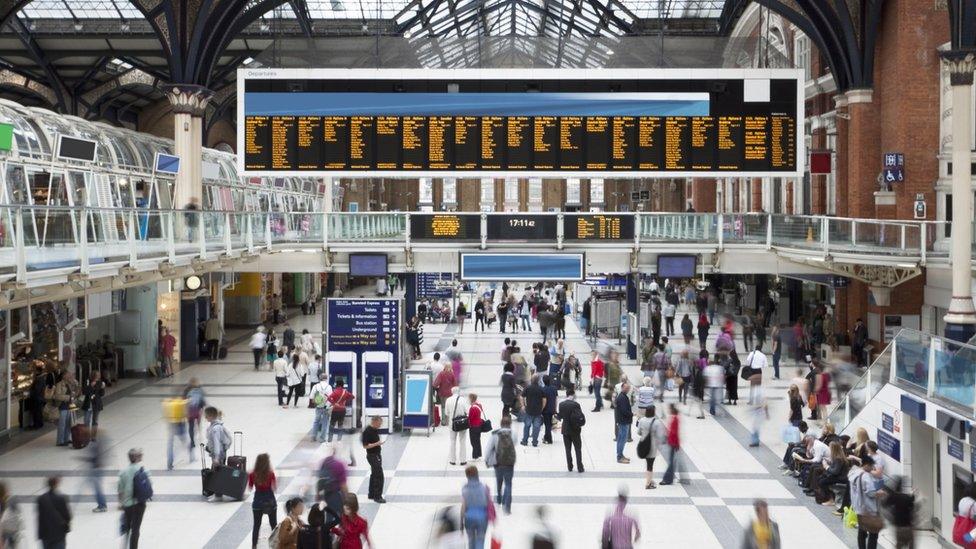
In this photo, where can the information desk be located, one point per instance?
(545, 121)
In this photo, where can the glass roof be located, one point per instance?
(81, 9)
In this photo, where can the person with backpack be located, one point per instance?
(319, 399)
(477, 509)
(262, 480)
(456, 415)
(339, 399)
(570, 413)
(218, 437)
(135, 489)
(195, 403)
(500, 455)
(650, 436)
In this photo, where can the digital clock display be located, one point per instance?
(522, 227)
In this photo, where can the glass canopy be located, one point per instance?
(81, 9)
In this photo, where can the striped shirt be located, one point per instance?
(620, 528)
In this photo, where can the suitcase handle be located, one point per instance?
(234, 443)
(203, 456)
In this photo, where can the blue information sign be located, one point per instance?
(888, 423)
(434, 285)
(955, 448)
(360, 325)
(889, 445)
(972, 459)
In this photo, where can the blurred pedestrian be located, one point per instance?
(762, 532)
(53, 516)
(620, 529)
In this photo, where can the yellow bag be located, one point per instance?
(174, 409)
(850, 517)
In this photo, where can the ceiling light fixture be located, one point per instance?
(78, 26)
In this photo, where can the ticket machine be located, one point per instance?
(342, 367)
(378, 387)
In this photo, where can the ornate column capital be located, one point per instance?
(188, 98)
(961, 65)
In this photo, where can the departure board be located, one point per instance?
(453, 227)
(558, 122)
(521, 227)
(598, 227)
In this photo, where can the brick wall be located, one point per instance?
(703, 194)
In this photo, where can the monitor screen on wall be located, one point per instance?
(676, 266)
(367, 265)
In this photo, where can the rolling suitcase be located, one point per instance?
(80, 436)
(222, 480)
(222, 352)
(238, 460)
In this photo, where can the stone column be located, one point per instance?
(189, 105)
(961, 318)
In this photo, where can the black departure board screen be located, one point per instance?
(521, 227)
(453, 227)
(600, 227)
(558, 122)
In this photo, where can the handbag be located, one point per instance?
(458, 423)
(871, 524)
(812, 401)
(486, 426)
(747, 372)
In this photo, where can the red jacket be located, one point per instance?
(474, 415)
(351, 531)
(674, 438)
(444, 382)
(596, 369)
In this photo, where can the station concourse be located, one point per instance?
(329, 241)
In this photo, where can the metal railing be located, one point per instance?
(38, 238)
(927, 365)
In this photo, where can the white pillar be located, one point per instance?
(189, 105)
(961, 318)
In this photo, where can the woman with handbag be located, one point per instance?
(456, 410)
(650, 436)
(476, 425)
(796, 406)
(262, 481)
(864, 502)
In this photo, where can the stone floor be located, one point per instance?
(709, 512)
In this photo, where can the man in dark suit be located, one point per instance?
(570, 414)
(53, 517)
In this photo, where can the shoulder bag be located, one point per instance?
(458, 423)
(869, 522)
(746, 372)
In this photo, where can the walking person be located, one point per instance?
(673, 447)
(461, 314)
(622, 416)
(687, 329)
(715, 381)
(570, 413)
(53, 516)
(294, 379)
(262, 480)
(865, 503)
(703, 326)
(168, 347)
(479, 314)
(256, 344)
(476, 421)
(444, 382)
(822, 390)
(502, 314)
(174, 412)
(93, 392)
(859, 337)
(135, 490)
(683, 374)
(500, 455)
(756, 362)
(509, 389)
(551, 391)
(597, 374)
(762, 532)
(280, 367)
(214, 332)
(218, 437)
(66, 392)
(352, 528)
(777, 350)
(320, 399)
(196, 402)
(535, 403)
(620, 530)
(288, 339)
(796, 405)
(456, 408)
(291, 525)
(339, 399)
(11, 520)
(94, 459)
(373, 445)
(650, 437)
(477, 510)
(669, 311)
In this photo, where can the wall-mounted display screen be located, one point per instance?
(676, 266)
(167, 163)
(522, 267)
(367, 265)
(567, 122)
(598, 227)
(74, 148)
(522, 227)
(432, 227)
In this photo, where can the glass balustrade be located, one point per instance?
(682, 227)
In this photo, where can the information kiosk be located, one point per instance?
(378, 387)
(342, 367)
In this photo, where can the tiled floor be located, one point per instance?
(726, 474)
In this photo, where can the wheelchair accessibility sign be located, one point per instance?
(894, 168)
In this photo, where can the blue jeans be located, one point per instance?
(525, 322)
(672, 465)
(64, 426)
(476, 534)
(597, 385)
(503, 486)
(714, 397)
(320, 427)
(95, 479)
(776, 357)
(623, 433)
(534, 423)
(176, 430)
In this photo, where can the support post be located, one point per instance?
(961, 317)
(633, 299)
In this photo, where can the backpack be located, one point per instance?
(724, 342)
(505, 450)
(142, 490)
(577, 418)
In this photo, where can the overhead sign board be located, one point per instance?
(598, 227)
(452, 227)
(533, 123)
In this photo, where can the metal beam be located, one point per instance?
(300, 7)
(39, 57)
